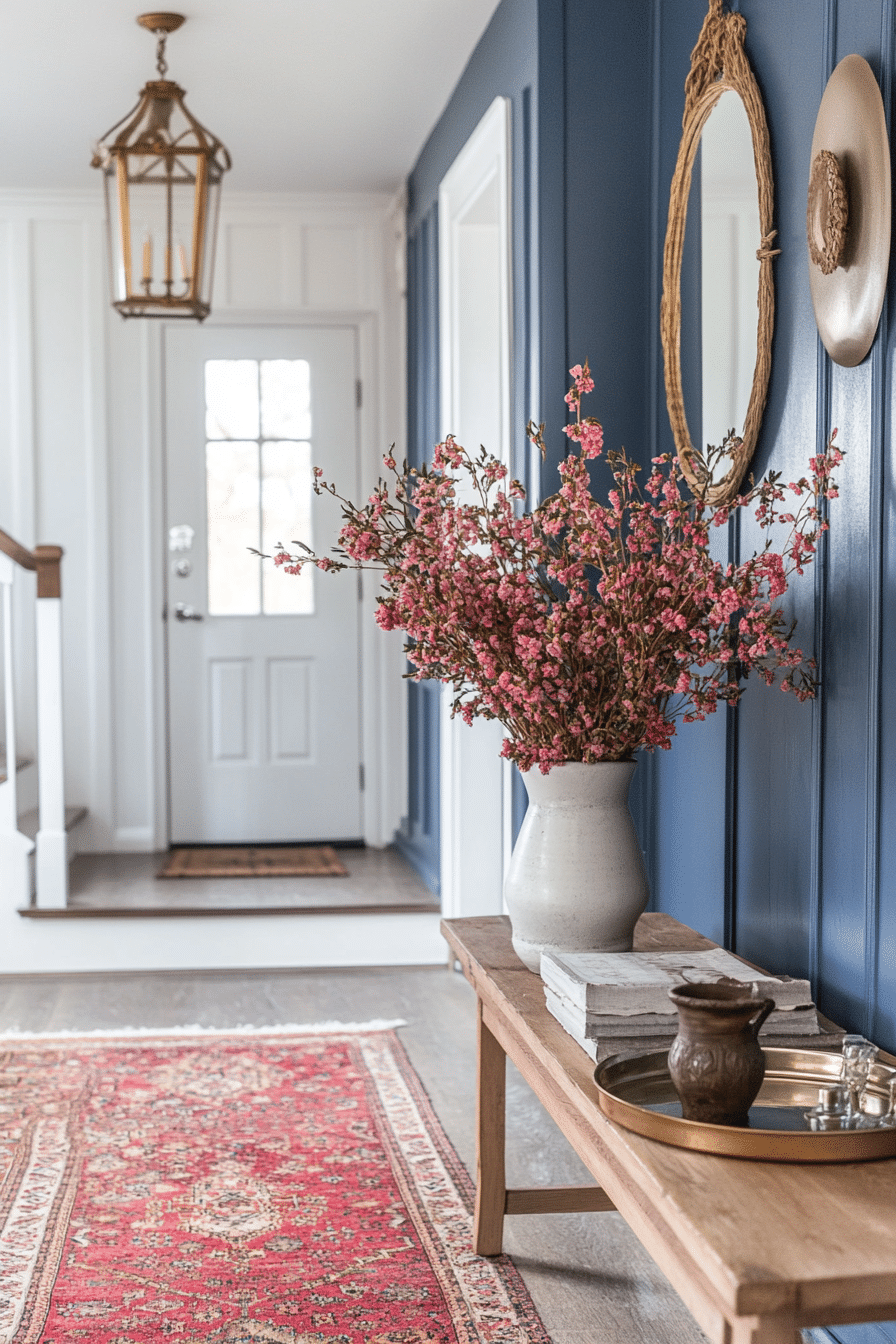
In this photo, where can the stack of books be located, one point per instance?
(612, 1002)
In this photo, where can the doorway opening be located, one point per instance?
(474, 338)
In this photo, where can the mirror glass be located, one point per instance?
(724, 183)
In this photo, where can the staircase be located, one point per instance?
(34, 823)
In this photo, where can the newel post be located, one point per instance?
(15, 878)
(51, 872)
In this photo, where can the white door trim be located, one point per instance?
(468, 794)
(383, 715)
(484, 159)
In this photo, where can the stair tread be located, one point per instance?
(28, 821)
(22, 763)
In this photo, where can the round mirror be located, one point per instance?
(718, 293)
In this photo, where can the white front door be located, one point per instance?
(263, 667)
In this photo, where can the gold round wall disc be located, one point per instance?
(851, 125)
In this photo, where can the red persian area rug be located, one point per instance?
(237, 1189)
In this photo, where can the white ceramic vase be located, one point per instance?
(576, 881)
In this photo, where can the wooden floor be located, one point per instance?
(123, 883)
(590, 1279)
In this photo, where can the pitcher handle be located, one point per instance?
(765, 1006)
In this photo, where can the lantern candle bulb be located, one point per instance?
(184, 269)
(147, 259)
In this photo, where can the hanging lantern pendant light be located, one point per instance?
(162, 173)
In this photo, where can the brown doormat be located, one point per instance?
(254, 861)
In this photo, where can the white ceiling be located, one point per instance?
(308, 95)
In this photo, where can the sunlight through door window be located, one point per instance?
(258, 484)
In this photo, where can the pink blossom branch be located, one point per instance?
(587, 629)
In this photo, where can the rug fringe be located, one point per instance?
(275, 1029)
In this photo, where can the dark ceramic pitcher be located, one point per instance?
(716, 1062)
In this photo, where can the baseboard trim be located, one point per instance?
(421, 864)
(134, 840)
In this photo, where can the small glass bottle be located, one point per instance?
(832, 1111)
(855, 1069)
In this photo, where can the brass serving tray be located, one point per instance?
(636, 1091)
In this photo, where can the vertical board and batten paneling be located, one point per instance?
(80, 452)
(276, 258)
(136, 580)
(882, 1025)
(16, 458)
(780, 745)
(851, 888)
(772, 827)
(606, 302)
(808, 786)
(808, 887)
(686, 788)
(255, 269)
(71, 483)
(419, 833)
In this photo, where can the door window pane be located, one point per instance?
(231, 399)
(285, 399)
(286, 517)
(233, 495)
(259, 489)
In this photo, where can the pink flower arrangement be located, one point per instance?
(587, 629)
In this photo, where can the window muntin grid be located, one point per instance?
(258, 483)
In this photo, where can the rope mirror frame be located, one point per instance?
(718, 63)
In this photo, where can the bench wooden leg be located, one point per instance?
(491, 1192)
(761, 1330)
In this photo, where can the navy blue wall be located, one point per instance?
(800, 873)
(418, 835)
(581, 220)
(505, 63)
(772, 827)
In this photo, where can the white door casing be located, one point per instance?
(474, 331)
(264, 709)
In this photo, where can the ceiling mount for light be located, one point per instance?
(161, 24)
(162, 172)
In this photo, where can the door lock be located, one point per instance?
(183, 612)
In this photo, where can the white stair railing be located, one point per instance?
(15, 880)
(51, 858)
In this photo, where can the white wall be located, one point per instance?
(81, 466)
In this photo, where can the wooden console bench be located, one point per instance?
(756, 1250)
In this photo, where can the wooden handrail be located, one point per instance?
(16, 552)
(44, 559)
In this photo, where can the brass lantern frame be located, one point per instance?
(141, 151)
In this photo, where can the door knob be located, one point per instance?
(183, 612)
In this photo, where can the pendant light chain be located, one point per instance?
(161, 63)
